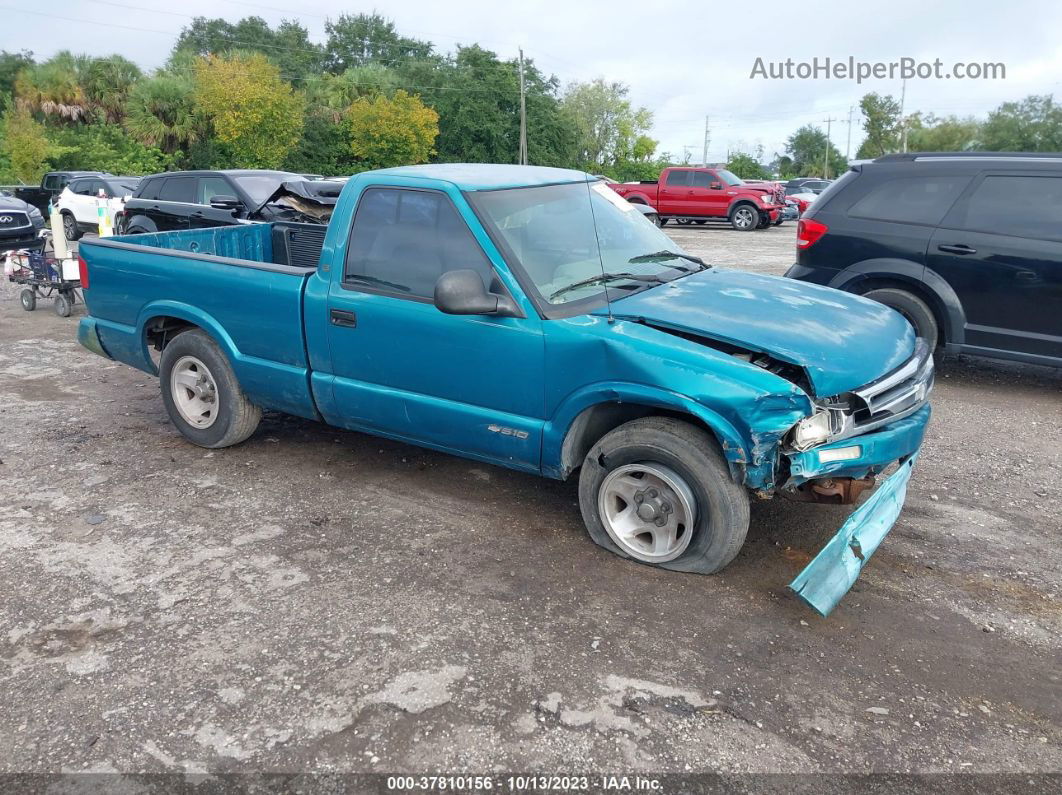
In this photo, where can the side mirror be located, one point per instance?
(716, 186)
(222, 202)
(461, 292)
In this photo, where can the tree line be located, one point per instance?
(247, 95)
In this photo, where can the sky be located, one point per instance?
(682, 60)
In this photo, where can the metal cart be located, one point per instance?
(41, 276)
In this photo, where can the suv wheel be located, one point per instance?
(913, 308)
(70, 227)
(658, 490)
(744, 218)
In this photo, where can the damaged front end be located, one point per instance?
(302, 201)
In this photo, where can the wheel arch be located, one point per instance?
(917, 279)
(584, 419)
(161, 321)
(138, 220)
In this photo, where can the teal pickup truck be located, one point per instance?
(530, 317)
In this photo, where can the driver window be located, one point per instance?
(209, 187)
(701, 179)
(402, 241)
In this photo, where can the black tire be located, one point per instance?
(700, 222)
(663, 220)
(744, 217)
(236, 419)
(765, 221)
(913, 308)
(62, 305)
(136, 230)
(28, 298)
(70, 227)
(657, 220)
(722, 515)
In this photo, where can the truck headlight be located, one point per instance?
(812, 430)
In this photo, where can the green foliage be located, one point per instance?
(324, 148)
(53, 89)
(882, 123)
(11, 63)
(106, 83)
(1032, 125)
(161, 112)
(391, 132)
(609, 131)
(289, 46)
(950, 134)
(747, 167)
(106, 147)
(253, 112)
(807, 148)
(359, 39)
(24, 146)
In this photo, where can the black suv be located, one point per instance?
(966, 245)
(196, 199)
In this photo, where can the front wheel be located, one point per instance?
(201, 393)
(28, 298)
(658, 490)
(70, 227)
(744, 218)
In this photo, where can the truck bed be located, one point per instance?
(244, 284)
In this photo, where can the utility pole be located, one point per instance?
(848, 148)
(903, 119)
(826, 155)
(704, 162)
(523, 114)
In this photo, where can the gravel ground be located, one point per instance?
(322, 600)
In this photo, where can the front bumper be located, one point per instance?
(828, 577)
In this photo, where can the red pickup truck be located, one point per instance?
(696, 194)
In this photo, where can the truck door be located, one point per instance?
(701, 197)
(672, 192)
(1000, 249)
(471, 384)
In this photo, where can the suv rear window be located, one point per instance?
(1016, 205)
(910, 200)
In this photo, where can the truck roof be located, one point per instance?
(489, 176)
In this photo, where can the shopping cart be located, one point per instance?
(42, 276)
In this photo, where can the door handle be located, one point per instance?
(958, 248)
(343, 317)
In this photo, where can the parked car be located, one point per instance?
(51, 186)
(196, 199)
(813, 185)
(698, 194)
(968, 247)
(521, 316)
(78, 202)
(21, 224)
(801, 200)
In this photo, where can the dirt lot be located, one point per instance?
(317, 599)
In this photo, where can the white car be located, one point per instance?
(78, 203)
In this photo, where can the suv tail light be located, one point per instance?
(82, 272)
(809, 232)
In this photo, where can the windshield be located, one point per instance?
(260, 187)
(551, 232)
(729, 177)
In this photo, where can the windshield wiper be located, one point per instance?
(604, 278)
(671, 255)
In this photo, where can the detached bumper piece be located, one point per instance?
(825, 580)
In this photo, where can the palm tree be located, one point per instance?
(53, 88)
(161, 112)
(107, 82)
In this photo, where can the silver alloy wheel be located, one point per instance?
(648, 511)
(69, 226)
(744, 217)
(194, 391)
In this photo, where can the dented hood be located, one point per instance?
(841, 340)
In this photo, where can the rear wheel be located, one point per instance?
(663, 220)
(62, 305)
(70, 227)
(201, 393)
(913, 308)
(701, 221)
(658, 490)
(28, 298)
(744, 218)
